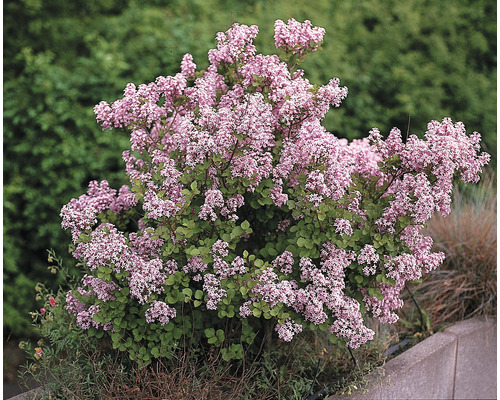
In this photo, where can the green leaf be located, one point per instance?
(155, 352)
(177, 333)
(256, 313)
(301, 242)
(236, 232)
(259, 263)
(171, 300)
(265, 201)
(170, 280)
(209, 332)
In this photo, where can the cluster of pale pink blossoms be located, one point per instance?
(250, 125)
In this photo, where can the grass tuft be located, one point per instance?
(465, 286)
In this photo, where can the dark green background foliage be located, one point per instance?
(430, 59)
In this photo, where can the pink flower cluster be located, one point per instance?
(295, 37)
(196, 266)
(108, 247)
(100, 288)
(215, 294)
(84, 314)
(80, 214)
(288, 329)
(235, 45)
(321, 296)
(161, 312)
(427, 169)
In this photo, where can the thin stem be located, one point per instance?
(353, 358)
(313, 382)
(416, 304)
(231, 158)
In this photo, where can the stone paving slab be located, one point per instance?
(458, 363)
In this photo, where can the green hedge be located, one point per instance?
(425, 58)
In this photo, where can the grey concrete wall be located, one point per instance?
(458, 363)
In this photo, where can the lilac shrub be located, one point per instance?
(244, 213)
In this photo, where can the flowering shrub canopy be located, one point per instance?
(242, 208)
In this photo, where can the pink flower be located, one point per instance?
(52, 301)
(343, 227)
(288, 329)
(188, 67)
(42, 311)
(38, 353)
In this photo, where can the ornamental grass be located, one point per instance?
(465, 285)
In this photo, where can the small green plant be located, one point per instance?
(64, 359)
(70, 365)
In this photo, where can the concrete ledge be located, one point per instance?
(458, 363)
(476, 365)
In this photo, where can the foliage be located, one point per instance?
(71, 365)
(244, 216)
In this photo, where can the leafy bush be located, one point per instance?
(244, 216)
(69, 364)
